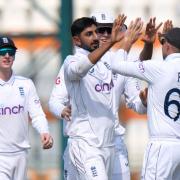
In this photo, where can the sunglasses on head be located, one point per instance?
(10, 51)
(102, 30)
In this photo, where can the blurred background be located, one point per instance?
(40, 29)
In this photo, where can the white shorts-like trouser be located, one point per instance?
(88, 162)
(121, 164)
(13, 166)
(162, 160)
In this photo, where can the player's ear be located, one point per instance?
(76, 40)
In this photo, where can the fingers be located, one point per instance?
(66, 113)
(151, 26)
(134, 30)
(167, 26)
(47, 140)
(136, 25)
(160, 24)
(143, 96)
(119, 21)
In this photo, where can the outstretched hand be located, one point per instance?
(166, 27)
(47, 140)
(117, 25)
(134, 31)
(132, 34)
(66, 113)
(151, 31)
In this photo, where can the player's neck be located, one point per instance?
(5, 75)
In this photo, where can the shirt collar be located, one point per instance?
(173, 56)
(10, 81)
(81, 50)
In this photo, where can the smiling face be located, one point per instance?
(87, 39)
(104, 34)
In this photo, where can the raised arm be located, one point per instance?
(132, 34)
(115, 37)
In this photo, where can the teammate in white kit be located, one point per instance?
(19, 101)
(91, 130)
(162, 157)
(126, 86)
(123, 85)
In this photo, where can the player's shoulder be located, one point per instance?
(23, 80)
(69, 58)
(20, 78)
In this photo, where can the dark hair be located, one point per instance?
(80, 24)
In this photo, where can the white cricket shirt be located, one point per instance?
(163, 78)
(18, 101)
(123, 85)
(90, 89)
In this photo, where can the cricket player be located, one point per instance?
(162, 157)
(19, 101)
(89, 148)
(88, 143)
(127, 86)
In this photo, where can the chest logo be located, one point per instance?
(21, 91)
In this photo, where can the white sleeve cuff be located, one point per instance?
(40, 124)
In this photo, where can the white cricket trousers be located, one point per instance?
(162, 159)
(13, 166)
(69, 171)
(121, 169)
(90, 163)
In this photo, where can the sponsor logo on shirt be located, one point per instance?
(58, 80)
(91, 70)
(104, 87)
(21, 91)
(11, 110)
(115, 76)
(141, 67)
(94, 171)
(107, 65)
(65, 173)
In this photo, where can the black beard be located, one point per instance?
(88, 48)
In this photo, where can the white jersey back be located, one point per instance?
(163, 78)
(18, 101)
(90, 89)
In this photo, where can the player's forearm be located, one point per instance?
(96, 55)
(126, 44)
(147, 51)
(127, 69)
(56, 108)
(40, 124)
